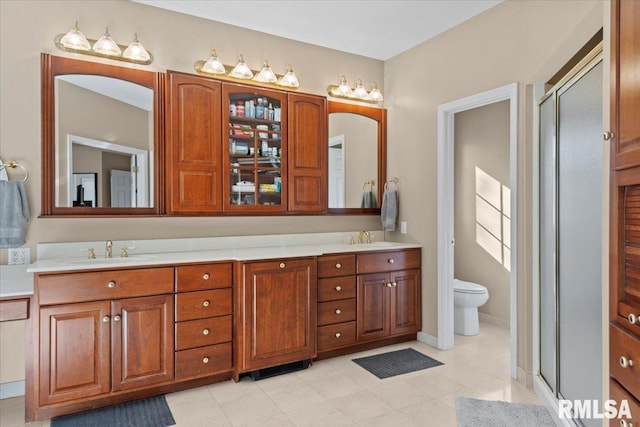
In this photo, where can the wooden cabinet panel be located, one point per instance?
(336, 265)
(280, 316)
(405, 314)
(203, 361)
(194, 145)
(336, 336)
(336, 288)
(373, 306)
(74, 351)
(619, 394)
(308, 145)
(14, 309)
(102, 285)
(387, 261)
(625, 83)
(203, 332)
(204, 276)
(142, 341)
(201, 304)
(336, 311)
(624, 359)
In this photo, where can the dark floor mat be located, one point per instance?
(394, 363)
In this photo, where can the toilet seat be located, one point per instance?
(464, 287)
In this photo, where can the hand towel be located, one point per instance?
(14, 214)
(389, 210)
(368, 200)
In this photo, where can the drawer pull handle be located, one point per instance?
(389, 285)
(390, 261)
(206, 303)
(338, 288)
(632, 318)
(338, 311)
(116, 318)
(205, 332)
(205, 360)
(338, 334)
(625, 363)
(282, 265)
(206, 276)
(338, 265)
(625, 423)
(106, 319)
(111, 284)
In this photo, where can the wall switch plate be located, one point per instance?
(403, 227)
(19, 256)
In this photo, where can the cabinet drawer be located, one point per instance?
(336, 311)
(103, 285)
(335, 336)
(336, 288)
(629, 316)
(200, 362)
(199, 333)
(625, 350)
(205, 276)
(336, 265)
(14, 309)
(387, 261)
(201, 304)
(617, 393)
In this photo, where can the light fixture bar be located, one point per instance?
(360, 94)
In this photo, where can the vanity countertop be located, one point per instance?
(15, 281)
(187, 251)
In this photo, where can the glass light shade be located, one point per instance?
(266, 75)
(375, 94)
(343, 88)
(74, 39)
(214, 65)
(241, 70)
(136, 51)
(106, 46)
(289, 79)
(360, 92)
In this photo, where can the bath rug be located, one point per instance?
(398, 362)
(495, 413)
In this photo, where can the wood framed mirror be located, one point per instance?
(357, 168)
(105, 120)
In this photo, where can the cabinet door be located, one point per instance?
(280, 316)
(74, 351)
(372, 306)
(194, 147)
(404, 303)
(142, 341)
(308, 145)
(625, 83)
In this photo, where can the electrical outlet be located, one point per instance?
(19, 256)
(403, 227)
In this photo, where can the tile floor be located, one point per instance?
(337, 392)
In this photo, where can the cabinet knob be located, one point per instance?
(282, 265)
(106, 319)
(206, 276)
(625, 363)
(338, 334)
(205, 360)
(116, 318)
(206, 303)
(111, 284)
(205, 331)
(338, 311)
(394, 284)
(389, 285)
(338, 288)
(338, 265)
(606, 135)
(625, 423)
(390, 261)
(632, 318)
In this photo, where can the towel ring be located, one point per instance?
(370, 183)
(393, 181)
(12, 165)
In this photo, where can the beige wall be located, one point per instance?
(516, 41)
(481, 174)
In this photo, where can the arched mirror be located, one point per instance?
(101, 139)
(357, 158)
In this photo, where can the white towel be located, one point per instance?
(389, 210)
(14, 214)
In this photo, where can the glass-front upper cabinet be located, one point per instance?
(255, 149)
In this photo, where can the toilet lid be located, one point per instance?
(468, 287)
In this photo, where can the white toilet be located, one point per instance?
(467, 297)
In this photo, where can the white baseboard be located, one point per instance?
(12, 389)
(525, 378)
(493, 320)
(550, 402)
(428, 339)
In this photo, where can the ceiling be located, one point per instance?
(375, 29)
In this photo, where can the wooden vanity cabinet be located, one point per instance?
(276, 306)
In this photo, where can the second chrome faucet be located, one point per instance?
(108, 250)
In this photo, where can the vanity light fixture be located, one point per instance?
(105, 47)
(241, 71)
(343, 90)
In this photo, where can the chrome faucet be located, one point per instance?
(362, 235)
(108, 250)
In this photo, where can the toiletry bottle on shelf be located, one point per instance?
(232, 109)
(271, 115)
(259, 109)
(265, 112)
(277, 112)
(265, 148)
